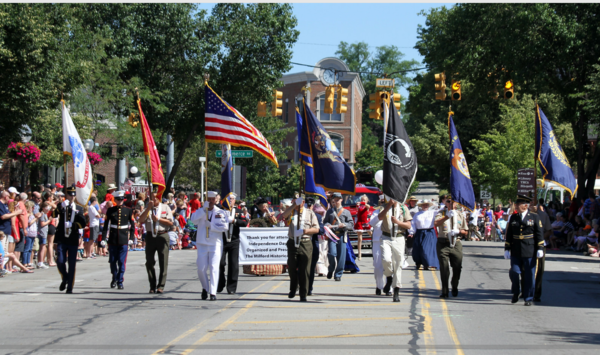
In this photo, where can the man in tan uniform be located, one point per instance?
(396, 221)
(451, 226)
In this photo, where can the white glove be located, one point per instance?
(455, 232)
(298, 201)
(450, 234)
(450, 214)
(64, 203)
(506, 254)
(540, 253)
(298, 232)
(68, 225)
(442, 207)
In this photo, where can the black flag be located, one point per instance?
(399, 158)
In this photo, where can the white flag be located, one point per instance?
(82, 168)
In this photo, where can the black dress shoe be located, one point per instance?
(537, 299)
(152, 291)
(454, 292)
(396, 294)
(329, 275)
(231, 292)
(388, 285)
(219, 291)
(69, 291)
(303, 299)
(378, 291)
(63, 286)
(204, 294)
(338, 279)
(417, 266)
(120, 287)
(292, 294)
(515, 299)
(213, 297)
(309, 293)
(113, 284)
(528, 303)
(444, 295)
(389, 293)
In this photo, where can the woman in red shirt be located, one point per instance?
(362, 221)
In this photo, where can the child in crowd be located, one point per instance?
(185, 240)
(5, 257)
(173, 237)
(488, 229)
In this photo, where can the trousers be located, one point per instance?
(208, 261)
(313, 261)
(378, 265)
(160, 245)
(299, 265)
(392, 254)
(67, 254)
(117, 258)
(474, 230)
(229, 258)
(525, 267)
(453, 256)
(337, 257)
(541, 263)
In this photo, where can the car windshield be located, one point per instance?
(352, 200)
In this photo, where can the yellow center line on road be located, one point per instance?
(341, 305)
(201, 324)
(232, 319)
(427, 326)
(320, 320)
(321, 337)
(449, 323)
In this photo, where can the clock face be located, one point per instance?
(329, 76)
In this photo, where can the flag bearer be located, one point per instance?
(120, 227)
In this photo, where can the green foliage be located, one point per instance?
(290, 183)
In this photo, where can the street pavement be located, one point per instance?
(342, 317)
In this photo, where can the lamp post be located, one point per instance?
(25, 138)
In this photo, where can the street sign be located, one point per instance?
(525, 181)
(485, 193)
(237, 153)
(384, 83)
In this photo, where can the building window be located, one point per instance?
(338, 141)
(322, 116)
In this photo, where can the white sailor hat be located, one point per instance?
(210, 194)
(119, 194)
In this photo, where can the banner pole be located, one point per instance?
(535, 161)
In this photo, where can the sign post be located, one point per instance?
(485, 193)
(525, 181)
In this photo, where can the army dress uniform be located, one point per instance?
(71, 220)
(524, 238)
(231, 253)
(120, 227)
(448, 253)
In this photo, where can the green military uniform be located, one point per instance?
(299, 258)
(448, 253)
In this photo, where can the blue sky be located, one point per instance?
(323, 26)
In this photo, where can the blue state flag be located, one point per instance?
(553, 161)
(309, 180)
(461, 187)
(226, 176)
(330, 170)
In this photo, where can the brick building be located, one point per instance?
(345, 129)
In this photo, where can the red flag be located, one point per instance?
(150, 151)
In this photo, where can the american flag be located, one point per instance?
(226, 125)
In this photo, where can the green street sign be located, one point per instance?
(237, 153)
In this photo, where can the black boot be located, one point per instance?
(388, 284)
(204, 294)
(378, 291)
(515, 298)
(396, 294)
(454, 291)
(213, 297)
(113, 284)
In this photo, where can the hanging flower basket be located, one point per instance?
(28, 152)
(94, 158)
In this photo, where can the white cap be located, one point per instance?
(211, 194)
(119, 194)
(13, 190)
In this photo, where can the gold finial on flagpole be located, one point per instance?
(137, 93)
(206, 78)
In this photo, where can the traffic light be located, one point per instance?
(440, 86)
(509, 90)
(277, 103)
(133, 120)
(342, 99)
(262, 109)
(397, 103)
(455, 90)
(329, 97)
(375, 106)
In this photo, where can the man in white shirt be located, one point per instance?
(473, 228)
(212, 222)
(376, 247)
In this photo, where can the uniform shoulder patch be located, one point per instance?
(540, 224)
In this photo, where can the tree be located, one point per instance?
(548, 48)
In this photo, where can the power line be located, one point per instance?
(332, 45)
(359, 72)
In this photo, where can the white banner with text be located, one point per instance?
(263, 246)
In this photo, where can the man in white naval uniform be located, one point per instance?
(215, 221)
(376, 248)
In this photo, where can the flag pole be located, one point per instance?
(535, 159)
(206, 78)
(148, 177)
(65, 163)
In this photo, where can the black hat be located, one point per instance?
(71, 191)
(523, 199)
(337, 195)
(309, 201)
(261, 201)
(48, 186)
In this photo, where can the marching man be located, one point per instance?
(376, 240)
(212, 223)
(120, 227)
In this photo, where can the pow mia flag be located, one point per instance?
(399, 158)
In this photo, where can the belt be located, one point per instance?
(390, 235)
(521, 237)
(119, 227)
